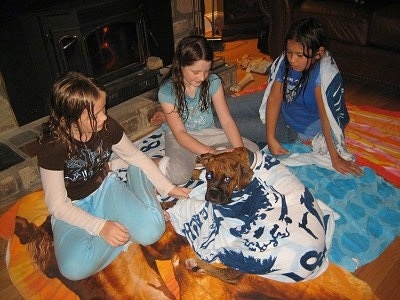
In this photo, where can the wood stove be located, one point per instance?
(107, 39)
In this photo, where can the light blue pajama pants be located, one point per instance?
(245, 111)
(133, 204)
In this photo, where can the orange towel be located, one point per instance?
(33, 284)
(373, 136)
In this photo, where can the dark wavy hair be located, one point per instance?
(71, 94)
(188, 51)
(309, 32)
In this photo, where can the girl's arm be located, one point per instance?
(272, 112)
(178, 129)
(338, 163)
(228, 124)
(127, 151)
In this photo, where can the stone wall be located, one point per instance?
(7, 119)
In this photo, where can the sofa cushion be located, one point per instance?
(344, 21)
(385, 27)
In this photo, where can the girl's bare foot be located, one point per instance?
(157, 119)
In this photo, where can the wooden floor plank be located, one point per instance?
(378, 271)
(390, 287)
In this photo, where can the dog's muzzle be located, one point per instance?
(217, 195)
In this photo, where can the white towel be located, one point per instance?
(274, 227)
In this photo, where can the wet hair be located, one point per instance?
(71, 94)
(188, 51)
(309, 32)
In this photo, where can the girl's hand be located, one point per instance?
(219, 150)
(180, 192)
(276, 149)
(114, 233)
(346, 167)
(157, 119)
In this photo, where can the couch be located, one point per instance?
(364, 35)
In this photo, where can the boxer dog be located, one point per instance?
(134, 275)
(122, 279)
(226, 172)
(198, 279)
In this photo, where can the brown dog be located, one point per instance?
(122, 279)
(226, 172)
(215, 281)
(134, 275)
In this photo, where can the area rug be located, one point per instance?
(368, 206)
(373, 135)
(335, 283)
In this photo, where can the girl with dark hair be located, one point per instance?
(304, 100)
(94, 213)
(187, 94)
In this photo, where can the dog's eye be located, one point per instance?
(209, 175)
(227, 179)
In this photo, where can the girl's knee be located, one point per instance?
(180, 178)
(251, 145)
(150, 234)
(73, 269)
(178, 172)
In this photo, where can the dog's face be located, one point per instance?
(225, 172)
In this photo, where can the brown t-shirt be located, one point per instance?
(86, 168)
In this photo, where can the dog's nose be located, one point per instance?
(217, 196)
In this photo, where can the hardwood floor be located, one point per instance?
(381, 274)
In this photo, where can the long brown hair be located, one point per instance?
(188, 51)
(71, 94)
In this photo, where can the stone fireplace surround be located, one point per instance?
(23, 177)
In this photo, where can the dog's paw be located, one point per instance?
(191, 264)
(166, 216)
(175, 261)
(168, 204)
(196, 174)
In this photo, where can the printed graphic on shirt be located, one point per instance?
(197, 119)
(86, 163)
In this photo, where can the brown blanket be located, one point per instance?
(155, 272)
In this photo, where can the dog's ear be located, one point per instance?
(240, 149)
(245, 172)
(24, 229)
(245, 176)
(204, 158)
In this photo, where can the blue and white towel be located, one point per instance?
(368, 206)
(332, 93)
(274, 227)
